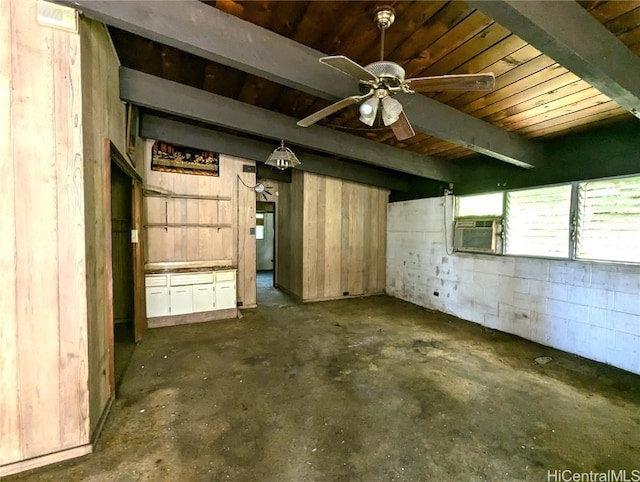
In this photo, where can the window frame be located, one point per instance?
(573, 236)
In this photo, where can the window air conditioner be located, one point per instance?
(476, 235)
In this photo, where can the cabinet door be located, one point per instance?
(181, 300)
(225, 295)
(158, 301)
(203, 299)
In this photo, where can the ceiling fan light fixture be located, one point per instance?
(282, 158)
(369, 110)
(391, 110)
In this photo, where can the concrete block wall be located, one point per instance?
(590, 309)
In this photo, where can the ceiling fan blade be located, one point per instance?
(322, 113)
(402, 128)
(348, 66)
(452, 82)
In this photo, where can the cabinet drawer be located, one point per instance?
(191, 279)
(155, 280)
(225, 276)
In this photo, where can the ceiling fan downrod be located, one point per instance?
(384, 17)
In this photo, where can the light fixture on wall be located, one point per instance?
(282, 158)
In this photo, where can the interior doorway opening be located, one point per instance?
(265, 244)
(122, 270)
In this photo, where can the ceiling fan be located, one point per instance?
(379, 81)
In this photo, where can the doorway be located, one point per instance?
(265, 244)
(122, 270)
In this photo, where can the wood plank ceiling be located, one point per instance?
(534, 96)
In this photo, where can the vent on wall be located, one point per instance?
(57, 16)
(476, 235)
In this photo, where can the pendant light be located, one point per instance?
(282, 158)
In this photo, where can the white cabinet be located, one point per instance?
(225, 295)
(157, 290)
(158, 302)
(183, 293)
(181, 300)
(203, 298)
(225, 289)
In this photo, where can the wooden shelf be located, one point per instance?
(186, 225)
(185, 196)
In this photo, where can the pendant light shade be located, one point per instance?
(282, 158)
(369, 110)
(391, 110)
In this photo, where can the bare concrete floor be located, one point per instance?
(371, 389)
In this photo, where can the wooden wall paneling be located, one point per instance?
(36, 234)
(105, 326)
(297, 203)
(11, 439)
(320, 226)
(139, 305)
(226, 214)
(345, 231)
(332, 259)
(283, 233)
(341, 246)
(103, 116)
(356, 239)
(203, 245)
(159, 242)
(370, 242)
(182, 183)
(311, 186)
(246, 241)
(382, 226)
(153, 213)
(193, 234)
(73, 348)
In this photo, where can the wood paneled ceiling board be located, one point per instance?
(271, 63)
(577, 40)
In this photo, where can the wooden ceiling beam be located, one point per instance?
(567, 33)
(170, 97)
(159, 128)
(196, 28)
